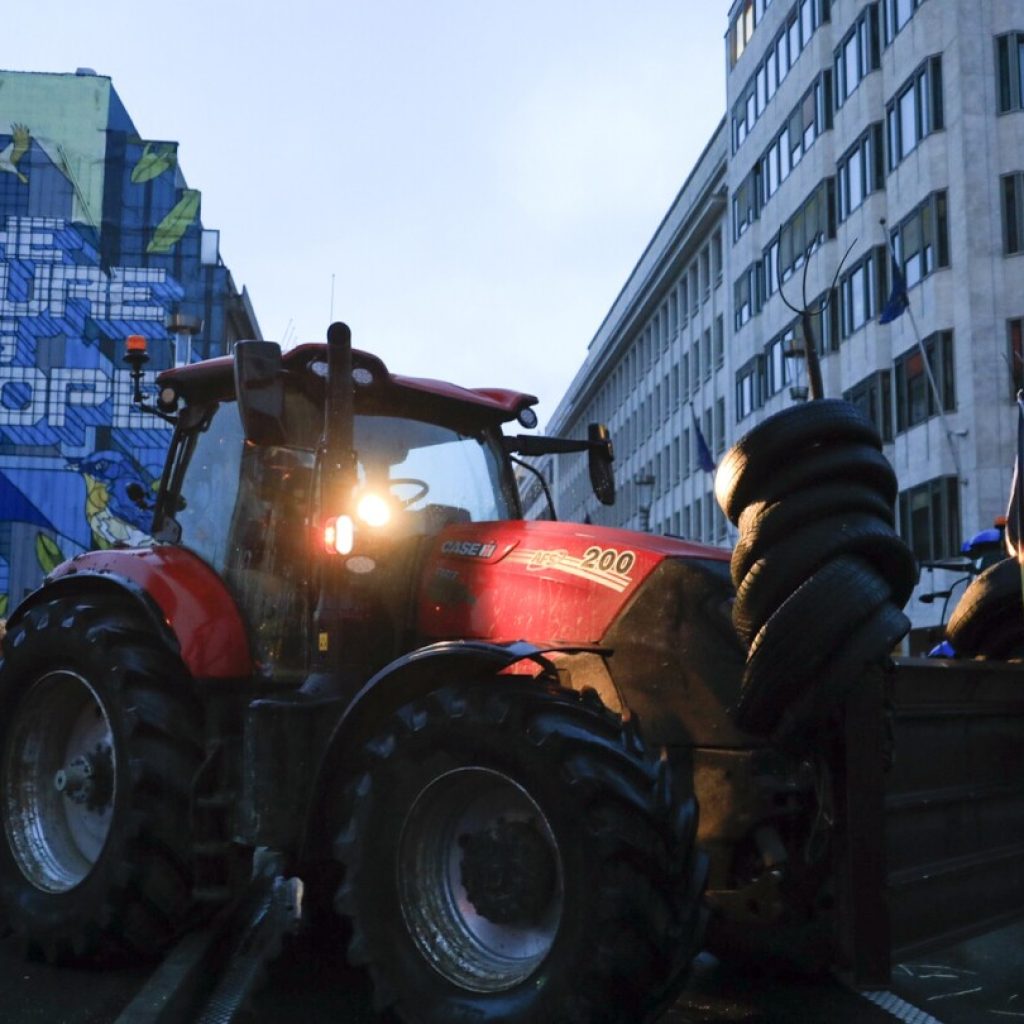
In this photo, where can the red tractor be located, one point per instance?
(477, 740)
(346, 647)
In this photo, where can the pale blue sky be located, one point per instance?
(479, 176)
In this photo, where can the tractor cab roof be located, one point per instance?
(214, 380)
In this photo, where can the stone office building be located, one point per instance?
(852, 128)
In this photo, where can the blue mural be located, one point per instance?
(95, 245)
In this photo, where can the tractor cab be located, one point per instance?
(302, 483)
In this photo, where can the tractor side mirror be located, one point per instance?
(259, 385)
(600, 456)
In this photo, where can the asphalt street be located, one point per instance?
(977, 981)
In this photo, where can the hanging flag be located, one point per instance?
(1015, 513)
(704, 458)
(897, 302)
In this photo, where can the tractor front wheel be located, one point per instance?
(99, 741)
(510, 855)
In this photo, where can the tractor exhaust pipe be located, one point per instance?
(339, 420)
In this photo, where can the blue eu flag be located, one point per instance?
(897, 301)
(704, 457)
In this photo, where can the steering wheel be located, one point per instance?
(422, 487)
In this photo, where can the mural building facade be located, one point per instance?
(100, 238)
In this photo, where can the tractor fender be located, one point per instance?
(399, 682)
(187, 603)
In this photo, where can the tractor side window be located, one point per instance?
(208, 491)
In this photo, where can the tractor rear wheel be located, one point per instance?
(99, 741)
(510, 855)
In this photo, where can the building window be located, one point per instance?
(860, 289)
(896, 14)
(1010, 71)
(811, 225)
(915, 111)
(719, 341)
(748, 295)
(748, 388)
(860, 171)
(828, 322)
(716, 257)
(929, 517)
(777, 369)
(873, 396)
(915, 401)
(1015, 337)
(741, 29)
(1012, 192)
(921, 240)
(746, 202)
(719, 426)
(858, 54)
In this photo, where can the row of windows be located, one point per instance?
(920, 245)
(804, 18)
(681, 304)
(914, 112)
(675, 387)
(1010, 71)
(702, 521)
(857, 55)
(679, 460)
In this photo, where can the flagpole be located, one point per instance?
(932, 383)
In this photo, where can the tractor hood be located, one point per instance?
(542, 581)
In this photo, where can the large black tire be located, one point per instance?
(764, 524)
(511, 855)
(988, 620)
(771, 579)
(796, 644)
(99, 742)
(758, 455)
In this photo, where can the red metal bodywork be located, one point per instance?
(540, 581)
(192, 598)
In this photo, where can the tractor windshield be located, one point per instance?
(234, 499)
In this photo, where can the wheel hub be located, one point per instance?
(508, 872)
(88, 779)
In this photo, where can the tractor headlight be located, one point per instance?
(374, 510)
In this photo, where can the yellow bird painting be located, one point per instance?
(15, 150)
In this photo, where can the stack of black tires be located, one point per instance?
(820, 573)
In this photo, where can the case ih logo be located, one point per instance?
(607, 567)
(468, 548)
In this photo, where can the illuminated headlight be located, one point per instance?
(374, 510)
